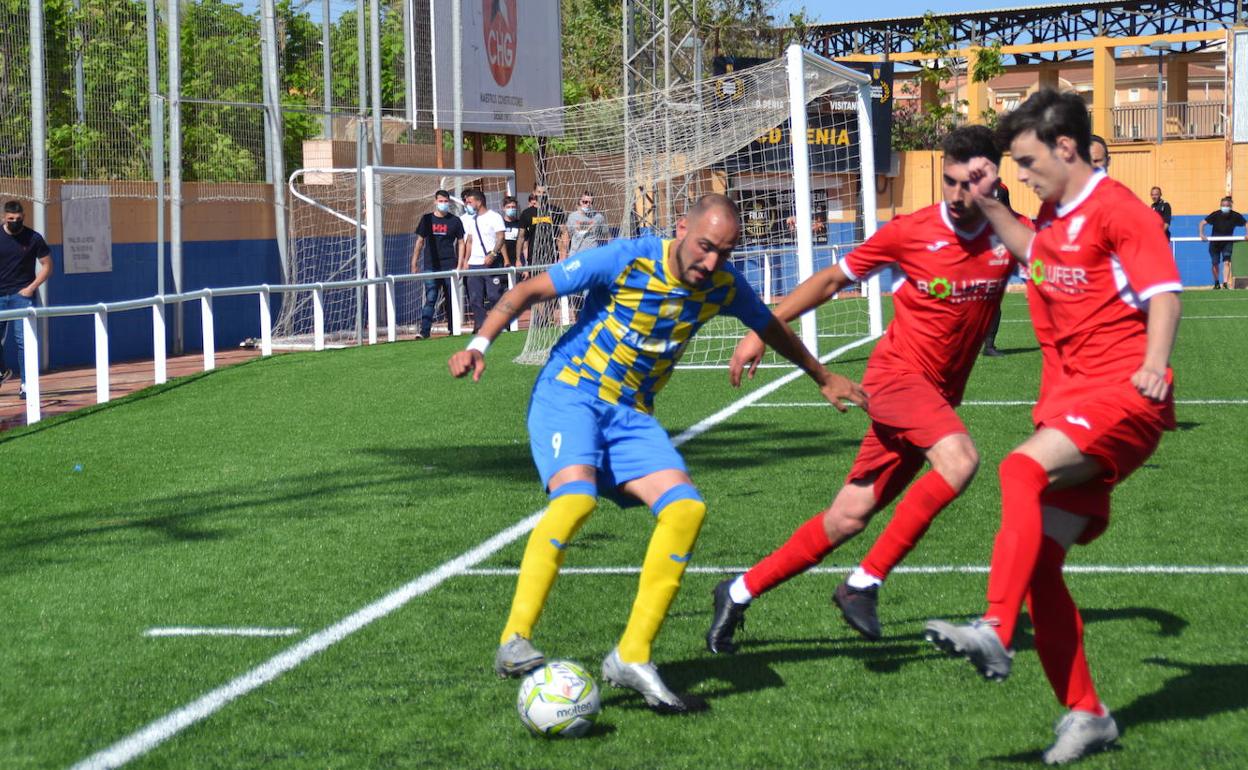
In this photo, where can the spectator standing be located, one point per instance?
(483, 243)
(438, 238)
(21, 248)
(513, 233)
(542, 222)
(1100, 153)
(1223, 221)
(1162, 207)
(585, 229)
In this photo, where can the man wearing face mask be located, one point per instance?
(586, 228)
(513, 234)
(1223, 221)
(20, 249)
(483, 236)
(437, 237)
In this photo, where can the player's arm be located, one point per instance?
(517, 300)
(1202, 230)
(813, 292)
(1015, 235)
(1164, 310)
(420, 244)
(834, 387)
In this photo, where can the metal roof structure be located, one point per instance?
(1055, 23)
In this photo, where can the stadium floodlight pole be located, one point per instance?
(273, 97)
(796, 64)
(457, 87)
(156, 114)
(409, 63)
(327, 70)
(174, 42)
(374, 19)
(39, 155)
(866, 160)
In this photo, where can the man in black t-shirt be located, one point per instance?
(1223, 221)
(20, 249)
(513, 241)
(437, 236)
(542, 222)
(1162, 207)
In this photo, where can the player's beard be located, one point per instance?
(687, 274)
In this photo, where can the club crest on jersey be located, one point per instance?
(1072, 232)
(1000, 255)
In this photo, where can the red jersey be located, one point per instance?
(1096, 261)
(953, 284)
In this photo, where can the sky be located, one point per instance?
(826, 11)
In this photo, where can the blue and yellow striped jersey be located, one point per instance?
(637, 319)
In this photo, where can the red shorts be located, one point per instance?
(908, 415)
(1117, 426)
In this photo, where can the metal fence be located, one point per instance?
(1183, 120)
(196, 102)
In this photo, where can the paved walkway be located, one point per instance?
(71, 389)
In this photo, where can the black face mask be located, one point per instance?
(14, 227)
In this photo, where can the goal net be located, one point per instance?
(646, 158)
(331, 239)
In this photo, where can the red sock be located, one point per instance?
(805, 548)
(1059, 632)
(926, 497)
(1017, 546)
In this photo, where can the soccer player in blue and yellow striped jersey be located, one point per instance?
(591, 423)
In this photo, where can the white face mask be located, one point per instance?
(1226, 209)
(471, 209)
(511, 212)
(444, 207)
(586, 209)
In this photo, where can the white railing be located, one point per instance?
(30, 327)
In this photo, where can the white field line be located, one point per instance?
(1179, 402)
(1185, 318)
(201, 631)
(945, 569)
(145, 739)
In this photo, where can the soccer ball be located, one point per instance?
(560, 699)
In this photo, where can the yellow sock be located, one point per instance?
(670, 548)
(543, 556)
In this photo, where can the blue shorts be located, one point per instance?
(568, 427)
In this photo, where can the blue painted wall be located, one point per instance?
(205, 264)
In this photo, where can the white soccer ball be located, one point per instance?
(559, 700)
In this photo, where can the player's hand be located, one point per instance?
(27, 292)
(1151, 383)
(836, 388)
(749, 353)
(1204, 237)
(466, 361)
(984, 177)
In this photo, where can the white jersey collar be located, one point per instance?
(963, 234)
(1097, 177)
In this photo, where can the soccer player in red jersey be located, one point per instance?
(1108, 294)
(955, 274)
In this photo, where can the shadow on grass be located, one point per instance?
(1196, 691)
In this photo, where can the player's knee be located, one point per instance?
(842, 522)
(681, 508)
(570, 505)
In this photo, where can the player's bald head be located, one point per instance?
(717, 203)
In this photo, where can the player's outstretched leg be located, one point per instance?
(858, 596)
(570, 505)
(680, 512)
(805, 548)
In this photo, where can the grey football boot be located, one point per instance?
(517, 657)
(1079, 734)
(977, 641)
(645, 679)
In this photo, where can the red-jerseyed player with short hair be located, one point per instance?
(1108, 289)
(955, 273)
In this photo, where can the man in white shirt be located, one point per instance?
(483, 243)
